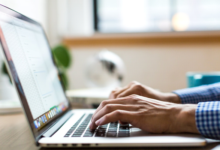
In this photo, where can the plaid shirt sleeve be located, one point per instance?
(208, 109)
(199, 94)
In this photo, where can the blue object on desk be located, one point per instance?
(202, 78)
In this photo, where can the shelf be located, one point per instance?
(134, 39)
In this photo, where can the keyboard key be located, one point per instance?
(76, 136)
(113, 125)
(82, 127)
(77, 133)
(103, 126)
(100, 133)
(124, 125)
(123, 134)
(88, 135)
(112, 129)
(123, 130)
(73, 127)
(101, 130)
(111, 134)
(89, 131)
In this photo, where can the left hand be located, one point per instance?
(145, 91)
(151, 115)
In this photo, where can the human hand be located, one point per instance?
(142, 90)
(147, 114)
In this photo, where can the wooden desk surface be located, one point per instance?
(15, 134)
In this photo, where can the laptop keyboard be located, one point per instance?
(113, 129)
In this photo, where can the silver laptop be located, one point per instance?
(53, 124)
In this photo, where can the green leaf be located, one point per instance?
(5, 71)
(62, 56)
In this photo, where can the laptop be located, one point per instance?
(48, 112)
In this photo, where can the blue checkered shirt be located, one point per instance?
(208, 110)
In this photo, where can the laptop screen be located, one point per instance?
(32, 68)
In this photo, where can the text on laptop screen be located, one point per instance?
(37, 73)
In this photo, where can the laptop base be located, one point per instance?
(138, 138)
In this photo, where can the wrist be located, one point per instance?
(172, 97)
(185, 120)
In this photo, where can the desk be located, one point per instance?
(15, 134)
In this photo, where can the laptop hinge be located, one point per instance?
(58, 125)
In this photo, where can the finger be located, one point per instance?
(111, 96)
(118, 115)
(117, 91)
(127, 92)
(105, 102)
(110, 108)
(123, 100)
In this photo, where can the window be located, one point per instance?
(156, 15)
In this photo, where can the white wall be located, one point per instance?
(161, 67)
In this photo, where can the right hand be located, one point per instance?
(147, 114)
(142, 90)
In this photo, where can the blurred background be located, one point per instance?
(158, 40)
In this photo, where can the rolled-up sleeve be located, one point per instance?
(208, 119)
(199, 94)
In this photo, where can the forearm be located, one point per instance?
(171, 97)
